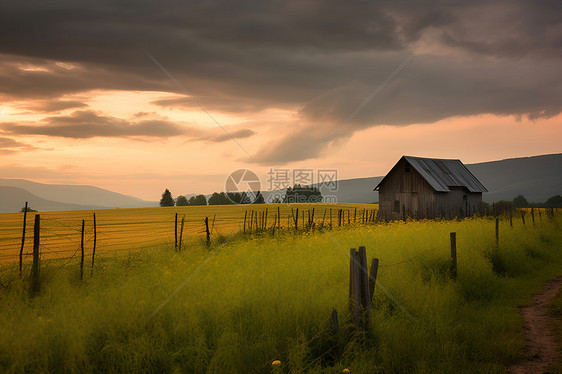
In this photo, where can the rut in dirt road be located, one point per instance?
(539, 337)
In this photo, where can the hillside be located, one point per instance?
(76, 194)
(537, 178)
(14, 198)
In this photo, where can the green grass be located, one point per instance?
(265, 299)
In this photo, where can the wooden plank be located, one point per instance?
(373, 277)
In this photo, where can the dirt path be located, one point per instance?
(539, 337)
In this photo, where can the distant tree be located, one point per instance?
(235, 197)
(181, 201)
(245, 198)
(28, 209)
(198, 200)
(520, 202)
(554, 202)
(302, 194)
(259, 198)
(215, 199)
(167, 199)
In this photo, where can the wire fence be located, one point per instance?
(115, 233)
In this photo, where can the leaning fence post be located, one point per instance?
(95, 242)
(82, 252)
(523, 217)
(453, 236)
(533, 215)
(23, 237)
(176, 232)
(181, 233)
(208, 241)
(35, 283)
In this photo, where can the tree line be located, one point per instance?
(522, 202)
(295, 194)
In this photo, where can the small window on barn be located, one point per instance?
(397, 206)
(407, 168)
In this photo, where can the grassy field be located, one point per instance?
(237, 307)
(125, 230)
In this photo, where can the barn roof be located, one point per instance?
(442, 174)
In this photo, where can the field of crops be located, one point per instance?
(239, 306)
(126, 230)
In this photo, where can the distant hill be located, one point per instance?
(76, 194)
(537, 178)
(12, 199)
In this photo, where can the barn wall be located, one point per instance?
(451, 204)
(415, 195)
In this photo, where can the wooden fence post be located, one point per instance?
(533, 215)
(296, 217)
(279, 218)
(95, 242)
(208, 241)
(510, 217)
(35, 282)
(360, 294)
(23, 237)
(176, 233)
(82, 251)
(181, 233)
(245, 216)
(523, 217)
(453, 236)
(354, 287)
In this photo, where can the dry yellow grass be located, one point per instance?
(121, 230)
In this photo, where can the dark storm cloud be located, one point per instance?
(48, 106)
(89, 124)
(324, 57)
(8, 145)
(241, 133)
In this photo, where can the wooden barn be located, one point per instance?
(427, 188)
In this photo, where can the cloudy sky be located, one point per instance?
(140, 96)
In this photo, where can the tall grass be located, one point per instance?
(237, 307)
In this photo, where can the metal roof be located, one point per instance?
(442, 174)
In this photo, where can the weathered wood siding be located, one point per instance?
(404, 192)
(412, 192)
